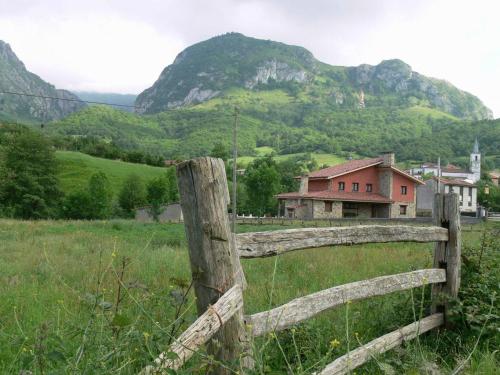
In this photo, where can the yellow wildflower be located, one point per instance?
(334, 343)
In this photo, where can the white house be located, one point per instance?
(467, 195)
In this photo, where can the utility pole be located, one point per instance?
(235, 156)
(439, 176)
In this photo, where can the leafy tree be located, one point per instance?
(157, 195)
(162, 190)
(132, 194)
(488, 195)
(29, 187)
(101, 195)
(78, 206)
(220, 151)
(172, 189)
(262, 182)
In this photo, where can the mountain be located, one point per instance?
(214, 67)
(291, 103)
(125, 101)
(14, 77)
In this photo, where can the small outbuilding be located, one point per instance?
(170, 212)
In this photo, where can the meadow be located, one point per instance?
(75, 169)
(105, 297)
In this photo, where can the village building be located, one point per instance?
(367, 188)
(495, 176)
(471, 174)
(453, 179)
(467, 193)
(170, 212)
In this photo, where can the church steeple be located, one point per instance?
(475, 162)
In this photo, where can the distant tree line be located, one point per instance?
(30, 188)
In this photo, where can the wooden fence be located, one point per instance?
(219, 281)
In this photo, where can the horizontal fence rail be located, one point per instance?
(264, 244)
(199, 332)
(361, 355)
(308, 306)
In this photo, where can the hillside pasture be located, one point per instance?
(76, 168)
(321, 158)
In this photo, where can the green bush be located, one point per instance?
(477, 311)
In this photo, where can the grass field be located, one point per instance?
(65, 310)
(76, 169)
(328, 159)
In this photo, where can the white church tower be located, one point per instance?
(475, 162)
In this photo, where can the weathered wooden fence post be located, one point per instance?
(447, 254)
(215, 265)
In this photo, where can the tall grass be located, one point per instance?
(107, 297)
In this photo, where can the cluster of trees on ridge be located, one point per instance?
(414, 134)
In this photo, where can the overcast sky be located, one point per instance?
(123, 45)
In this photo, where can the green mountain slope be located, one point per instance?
(14, 77)
(210, 68)
(292, 103)
(75, 170)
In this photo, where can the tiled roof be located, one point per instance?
(454, 182)
(338, 196)
(450, 168)
(343, 168)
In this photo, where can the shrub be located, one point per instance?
(477, 311)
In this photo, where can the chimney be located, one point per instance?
(304, 184)
(388, 159)
(385, 175)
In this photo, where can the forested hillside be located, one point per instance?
(415, 133)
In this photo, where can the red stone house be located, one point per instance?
(358, 188)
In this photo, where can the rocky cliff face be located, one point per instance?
(394, 77)
(14, 77)
(205, 70)
(210, 68)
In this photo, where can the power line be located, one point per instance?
(67, 99)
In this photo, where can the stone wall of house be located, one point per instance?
(320, 213)
(302, 208)
(410, 210)
(385, 181)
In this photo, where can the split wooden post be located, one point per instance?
(215, 265)
(447, 253)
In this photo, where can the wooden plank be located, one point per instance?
(199, 332)
(453, 245)
(447, 255)
(264, 244)
(439, 252)
(308, 306)
(359, 356)
(215, 265)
